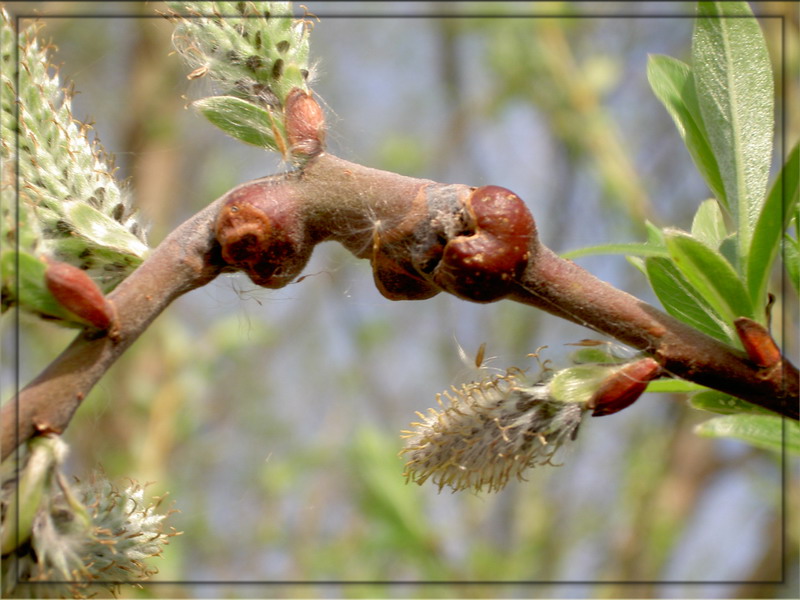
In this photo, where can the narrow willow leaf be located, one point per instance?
(719, 402)
(728, 249)
(710, 274)
(674, 386)
(632, 249)
(683, 301)
(708, 225)
(733, 77)
(761, 431)
(781, 203)
(241, 120)
(672, 83)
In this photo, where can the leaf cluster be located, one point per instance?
(722, 104)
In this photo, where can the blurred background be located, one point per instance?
(273, 418)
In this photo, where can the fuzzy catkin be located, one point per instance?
(488, 432)
(70, 206)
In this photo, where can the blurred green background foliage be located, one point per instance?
(272, 417)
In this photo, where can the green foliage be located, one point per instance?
(256, 52)
(780, 208)
(70, 206)
(709, 273)
(733, 77)
(762, 431)
(67, 538)
(722, 105)
(683, 301)
(242, 120)
(673, 84)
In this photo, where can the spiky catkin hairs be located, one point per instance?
(60, 198)
(488, 432)
(256, 53)
(66, 540)
(491, 430)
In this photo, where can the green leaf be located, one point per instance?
(719, 402)
(672, 83)
(708, 225)
(781, 203)
(733, 77)
(761, 431)
(674, 386)
(683, 301)
(632, 249)
(710, 274)
(100, 229)
(791, 251)
(241, 120)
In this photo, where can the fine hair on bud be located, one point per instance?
(489, 431)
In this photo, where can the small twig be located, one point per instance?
(187, 259)
(561, 287)
(421, 237)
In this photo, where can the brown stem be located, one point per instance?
(563, 288)
(421, 237)
(187, 259)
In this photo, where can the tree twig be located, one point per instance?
(421, 237)
(188, 258)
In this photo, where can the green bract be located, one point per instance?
(59, 196)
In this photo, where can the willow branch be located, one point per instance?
(187, 259)
(421, 238)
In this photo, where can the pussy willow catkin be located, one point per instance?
(488, 431)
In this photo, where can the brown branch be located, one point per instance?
(561, 287)
(421, 237)
(187, 259)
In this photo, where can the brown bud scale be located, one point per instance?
(757, 342)
(624, 387)
(305, 124)
(79, 294)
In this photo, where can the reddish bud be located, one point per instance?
(305, 124)
(757, 342)
(261, 233)
(484, 265)
(624, 386)
(79, 294)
